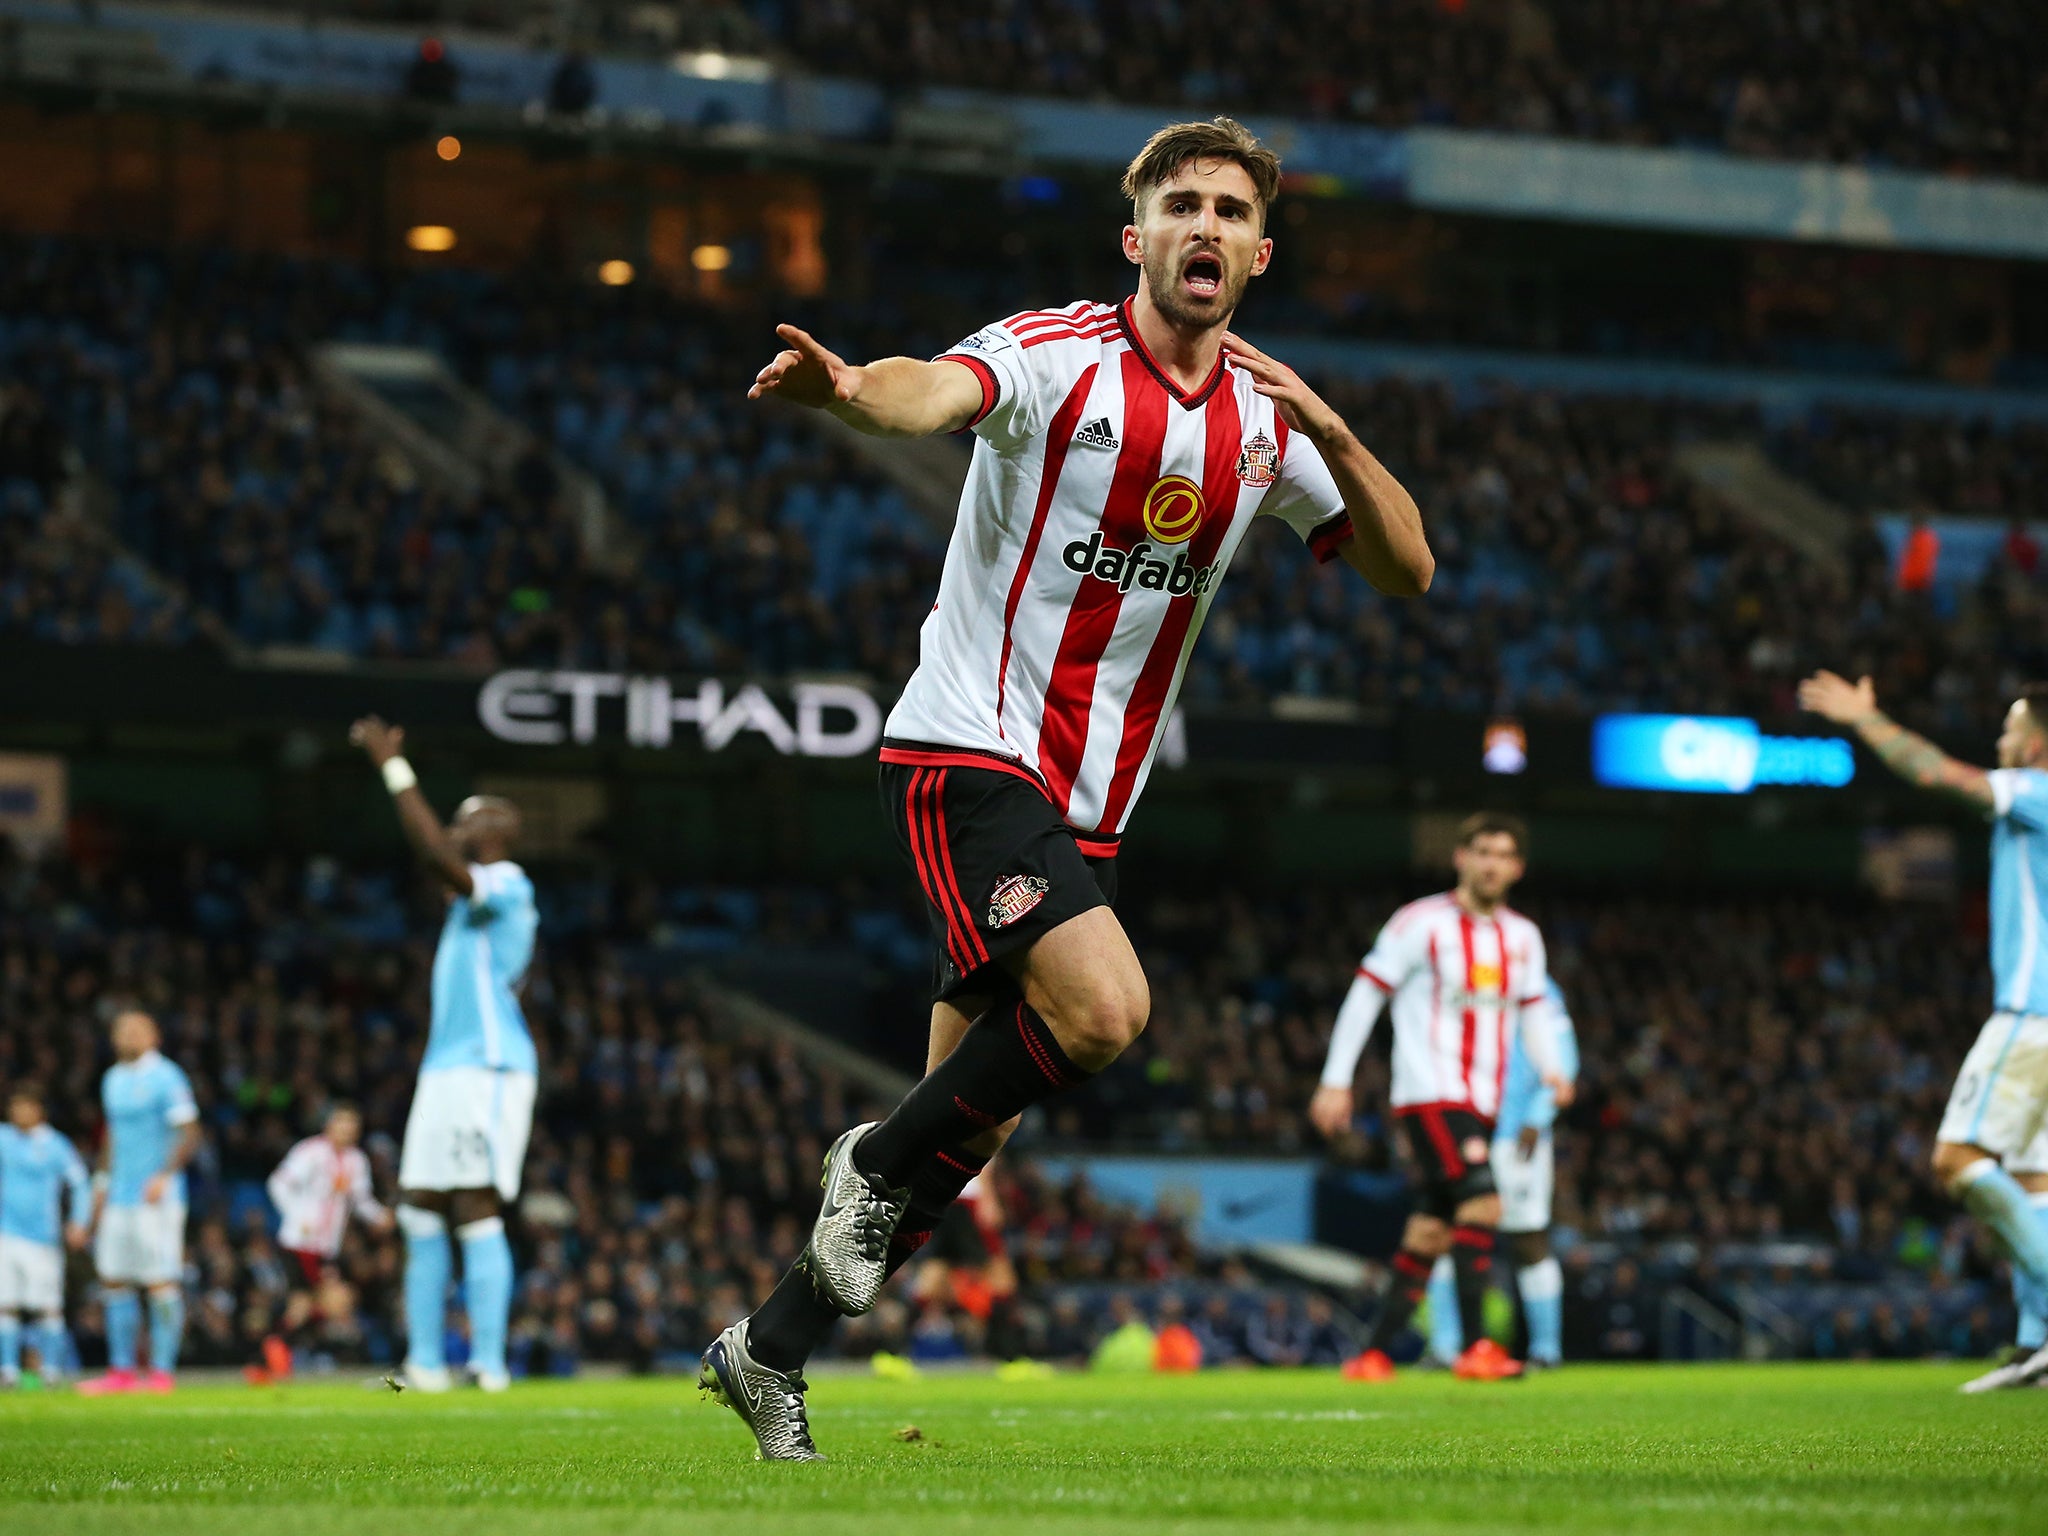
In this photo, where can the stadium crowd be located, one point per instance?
(1577, 569)
(1756, 1075)
(1914, 83)
(1901, 82)
(673, 1160)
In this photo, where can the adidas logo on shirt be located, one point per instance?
(1096, 434)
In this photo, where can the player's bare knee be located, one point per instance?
(472, 1205)
(1479, 1211)
(1952, 1159)
(1426, 1235)
(1100, 1026)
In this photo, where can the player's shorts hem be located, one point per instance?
(140, 1244)
(1527, 1184)
(998, 866)
(468, 1129)
(2000, 1099)
(1451, 1146)
(31, 1274)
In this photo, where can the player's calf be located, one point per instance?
(1975, 1177)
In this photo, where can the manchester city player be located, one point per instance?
(139, 1205)
(2000, 1102)
(465, 1139)
(45, 1201)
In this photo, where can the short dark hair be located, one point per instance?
(1482, 823)
(342, 1107)
(28, 1088)
(1220, 138)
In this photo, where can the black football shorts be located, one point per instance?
(997, 864)
(1450, 1148)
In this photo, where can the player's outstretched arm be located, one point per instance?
(895, 397)
(1911, 756)
(1388, 547)
(384, 745)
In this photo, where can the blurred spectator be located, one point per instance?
(1886, 82)
(1919, 560)
(572, 89)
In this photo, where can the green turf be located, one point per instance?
(1856, 1449)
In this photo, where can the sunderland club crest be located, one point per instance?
(1013, 896)
(1258, 462)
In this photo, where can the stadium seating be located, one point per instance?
(672, 1160)
(1895, 83)
(1577, 569)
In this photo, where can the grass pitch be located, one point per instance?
(1868, 1449)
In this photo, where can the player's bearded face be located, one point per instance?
(1489, 865)
(1201, 243)
(1196, 285)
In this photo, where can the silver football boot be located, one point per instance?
(768, 1401)
(848, 1253)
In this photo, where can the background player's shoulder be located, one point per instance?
(1421, 907)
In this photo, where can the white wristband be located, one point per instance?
(398, 775)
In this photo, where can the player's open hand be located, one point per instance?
(78, 1235)
(1562, 1089)
(806, 372)
(1836, 698)
(154, 1191)
(382, 742)
(1330, 1111)
(1300, 407)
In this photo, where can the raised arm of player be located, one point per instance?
(1388, 547)
(1911, 756)
(894, 397)
(384, 744)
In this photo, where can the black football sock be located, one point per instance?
(1472, 1258)
(934, 1185)
(1411, 1281)
(1006, 1062)
(791, 1325)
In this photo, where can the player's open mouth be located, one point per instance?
(1203, 276)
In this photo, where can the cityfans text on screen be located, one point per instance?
(1712, 755)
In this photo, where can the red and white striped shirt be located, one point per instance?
(1102, 507)
(1461, 986)
(314, 1189)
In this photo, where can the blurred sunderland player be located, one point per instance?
(322, 1181)
(139, 1205)
(1122, 452)
(1525, 1168)
(1465, 974)
(472, 1111)
(45, 1203)
(1989, 1149)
